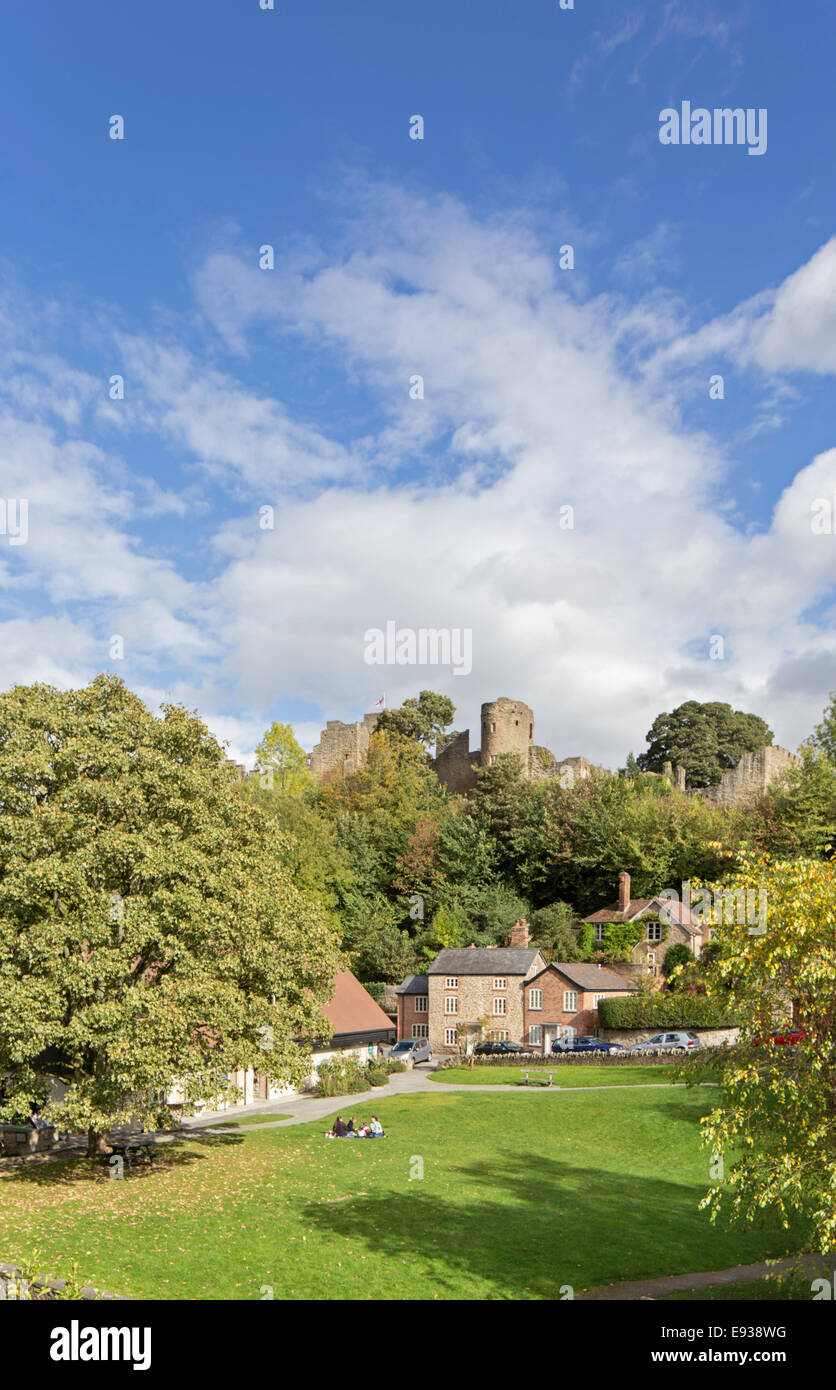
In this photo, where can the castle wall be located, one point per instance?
(455, 765)
(751, 776)
(342, 747)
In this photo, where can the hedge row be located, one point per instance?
(666, 1011)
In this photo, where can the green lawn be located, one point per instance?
(520, 1195)
(565, 1075)
(249, 1120)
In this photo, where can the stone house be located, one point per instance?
(659, 936)
(561, 1001)
(474, 984)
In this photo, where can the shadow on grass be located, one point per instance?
(541, 1225)
(77, 1169)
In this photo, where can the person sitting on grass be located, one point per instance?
(339, 1131)
(351, 1132)
(376, 1128)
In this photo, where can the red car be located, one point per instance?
(787, 1036)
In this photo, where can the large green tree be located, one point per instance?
(149, 931)
(705, 739)
(424, 718)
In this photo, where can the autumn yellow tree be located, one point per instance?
(776, 1120)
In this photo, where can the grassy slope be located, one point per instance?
(521, 1195)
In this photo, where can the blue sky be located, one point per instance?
(543, 387)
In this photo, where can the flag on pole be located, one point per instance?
(381, 701)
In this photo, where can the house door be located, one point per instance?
(260, 1088)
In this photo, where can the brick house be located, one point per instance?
(658, 937)
(469, 985)
(561, 1001)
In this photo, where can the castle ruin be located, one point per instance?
(507, 726)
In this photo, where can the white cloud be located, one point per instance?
(449, 514)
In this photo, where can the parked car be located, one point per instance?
(787, 1036)
(668, 1042)
(586, 1044)
(495, 1048)
(413, 1049)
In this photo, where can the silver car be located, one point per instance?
(668, 1042)
(412, 1049)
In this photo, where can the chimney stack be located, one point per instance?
(623, 892)
(519, 933)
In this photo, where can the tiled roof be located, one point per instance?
(484, 960)
(413, 984)
(352, 1009)
(678, 912)
(589, 977)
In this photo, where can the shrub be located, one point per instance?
(377, 1076)
(340, 1077)
(395, 1064)
(666, 1011)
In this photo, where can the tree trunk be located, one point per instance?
(96, 1144)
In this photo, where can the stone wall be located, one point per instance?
(709, 1037)
(342, 747)
(455, 765)
(475, 994)
(751, 776)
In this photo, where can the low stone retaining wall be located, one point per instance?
(709, 1037)
(25, 1139)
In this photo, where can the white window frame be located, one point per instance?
(451, 982)
(596, 999)
(570, 1001)
(499, 1035)
(500, 982)
(500, 1007)
(451, 1003)
(451, 1037)
(654, 931)
(535, 1034)
(651, 957)
(420, 1030)
(421, 1003)
(600, 928)
(535, 1000)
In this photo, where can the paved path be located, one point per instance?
(808, 1265)
(301, 1109)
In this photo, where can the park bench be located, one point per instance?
(129, 1149)
(536, 1080)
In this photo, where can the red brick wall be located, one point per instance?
(554, 985)
(407, 1015)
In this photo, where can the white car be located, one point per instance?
(416, 1049)
(668, 1042)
